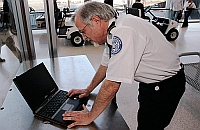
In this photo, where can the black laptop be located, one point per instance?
(44, 97)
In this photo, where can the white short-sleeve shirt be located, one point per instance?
(139, 52)
(186, 4)
(176, 5)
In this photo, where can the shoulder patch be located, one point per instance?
(116, 45)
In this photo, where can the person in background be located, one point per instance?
(1, 60)
(135, 50)
(140, 6)
(176, 6)
(56, 14)
(189, 5)
(6, 12)
(5, 21)
(109, 2)
(7, 39)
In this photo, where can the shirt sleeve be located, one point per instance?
(105, 57)
(193, 5)
(124, 60)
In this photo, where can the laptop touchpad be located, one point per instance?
(68, 107)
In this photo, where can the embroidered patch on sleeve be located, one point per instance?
(116, 45)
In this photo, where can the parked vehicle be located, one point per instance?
(40, 20)
(167, 26)
(73, 34)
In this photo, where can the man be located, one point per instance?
(140, 6)
(5, 36)
(176, 6)
(138, 52)
(56, 14)
(7, 39)
(189, 5)
(6, 11)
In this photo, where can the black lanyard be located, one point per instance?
(109, 34)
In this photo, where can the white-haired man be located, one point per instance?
(135, 50)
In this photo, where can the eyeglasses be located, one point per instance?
(82, 31)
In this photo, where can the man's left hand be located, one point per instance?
(79, 117)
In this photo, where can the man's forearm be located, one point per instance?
(98, 78)
(106, 94)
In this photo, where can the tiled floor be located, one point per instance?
(187, 116)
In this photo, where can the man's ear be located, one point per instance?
(96, 19)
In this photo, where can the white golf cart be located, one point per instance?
(73, 33)
(66, 28)
(165, 25)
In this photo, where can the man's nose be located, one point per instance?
(84, 37)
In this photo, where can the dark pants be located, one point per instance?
(158, 104)
(186, 15)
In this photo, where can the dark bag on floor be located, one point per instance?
(179, 15)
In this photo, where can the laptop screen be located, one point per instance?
(36, 85)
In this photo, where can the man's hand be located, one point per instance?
(80, 117)
(81, 92)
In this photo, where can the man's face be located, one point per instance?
(95, 32)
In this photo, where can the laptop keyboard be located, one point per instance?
(56, 102)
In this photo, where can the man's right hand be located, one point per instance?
(81, 92)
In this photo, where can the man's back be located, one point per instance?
(148, 54)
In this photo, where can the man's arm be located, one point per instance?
(107, 92)
(97, 79)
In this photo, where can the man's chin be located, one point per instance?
(96, 42)
(99, 43)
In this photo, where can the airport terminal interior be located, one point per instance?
(187, 115)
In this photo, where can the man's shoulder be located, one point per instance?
(125, 17)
